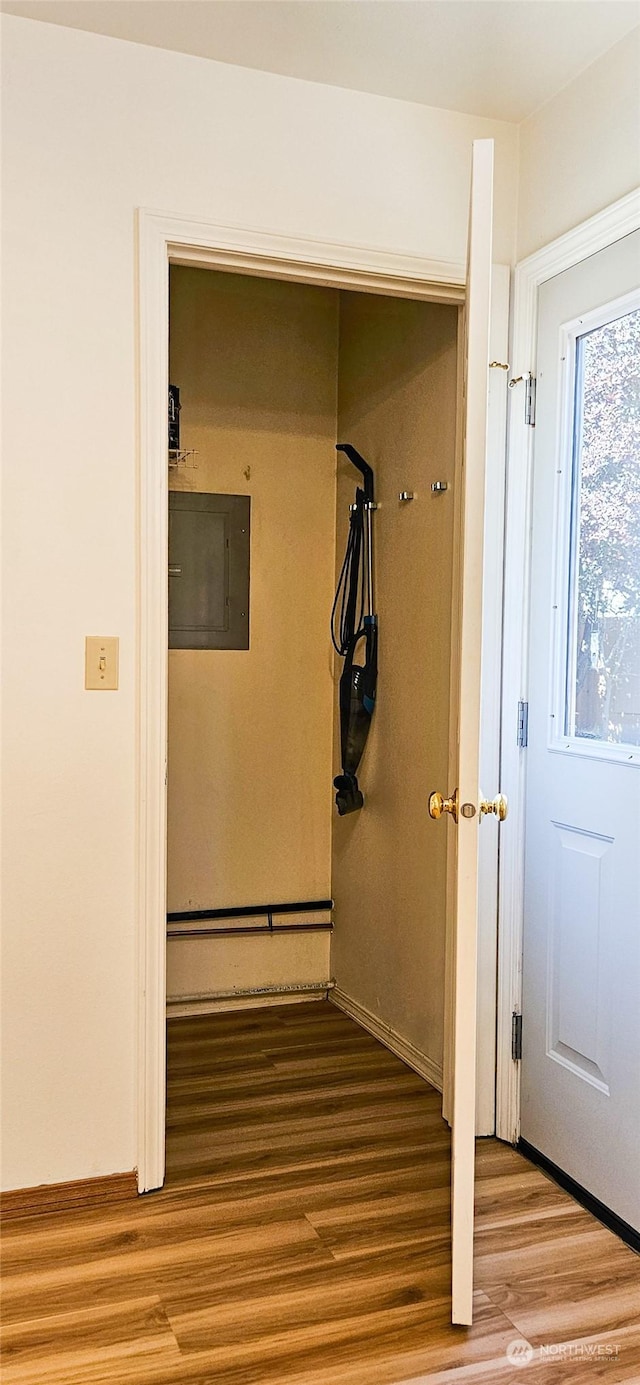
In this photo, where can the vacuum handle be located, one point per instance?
(370, 605)
(361, 466)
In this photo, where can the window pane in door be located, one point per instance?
(603, 673)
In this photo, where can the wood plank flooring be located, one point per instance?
(302, 1238)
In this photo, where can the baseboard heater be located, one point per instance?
(202, 917)
(245, 992)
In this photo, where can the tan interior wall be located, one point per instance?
(250, 732)
(397, 405)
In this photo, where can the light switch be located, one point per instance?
(101, 662)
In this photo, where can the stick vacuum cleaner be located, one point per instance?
(352, 621)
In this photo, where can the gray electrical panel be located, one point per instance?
(209, 545)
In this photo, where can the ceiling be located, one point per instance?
(497, 58)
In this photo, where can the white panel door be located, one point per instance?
(463, 805)
(581, 969)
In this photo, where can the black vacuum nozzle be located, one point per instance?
(349, 798)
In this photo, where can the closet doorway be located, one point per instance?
(271, 376)
(273, 371)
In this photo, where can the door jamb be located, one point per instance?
(618, 220)
(493, 563)
(163, 239)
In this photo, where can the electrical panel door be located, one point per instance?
(209, 546)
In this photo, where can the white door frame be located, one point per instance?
(163, 239)
(609, 225)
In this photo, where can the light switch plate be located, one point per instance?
(101, 662)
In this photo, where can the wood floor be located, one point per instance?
(302, 1238)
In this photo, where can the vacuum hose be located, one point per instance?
(352, 621)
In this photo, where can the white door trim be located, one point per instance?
(493, 563)
(616, 221)
(163, 239)
(488, 894)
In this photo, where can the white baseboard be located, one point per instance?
(225, 1001)
(424, 1066)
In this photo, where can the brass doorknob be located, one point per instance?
(497, 805)
(438, 805)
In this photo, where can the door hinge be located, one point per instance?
(530, 401)
(516, 1037)
(523, 724)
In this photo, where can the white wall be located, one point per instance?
(94, 128)
(581, 151)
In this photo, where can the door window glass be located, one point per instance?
(603, 647)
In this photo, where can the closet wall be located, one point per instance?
(250, 731)
(397, 404)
